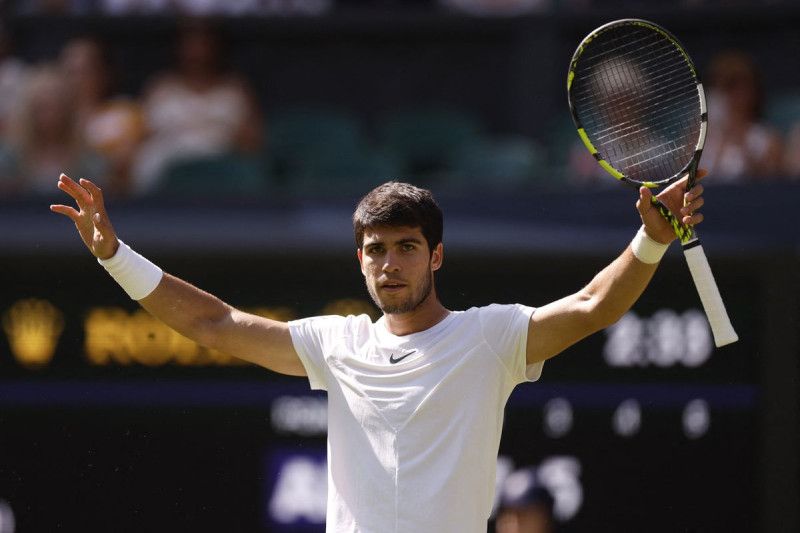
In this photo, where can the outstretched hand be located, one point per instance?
(92, 221)
(683, 204)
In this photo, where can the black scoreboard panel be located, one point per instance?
(107, 422)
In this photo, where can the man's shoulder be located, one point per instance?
(495, 317)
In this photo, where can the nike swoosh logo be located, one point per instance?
(395, 361)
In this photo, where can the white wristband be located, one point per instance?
(646, 249)
(134, 273)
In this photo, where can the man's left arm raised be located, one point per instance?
(613, 291)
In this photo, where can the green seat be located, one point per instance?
(426, 138)
(562, 141)
(8, 165)
(783, 112)
(498, 164)
(296, 132)
(214, 176)
(333, 171)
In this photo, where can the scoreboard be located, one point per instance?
(109, 421)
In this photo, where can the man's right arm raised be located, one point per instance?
(188, 310)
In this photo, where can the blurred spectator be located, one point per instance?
(114, 127)
(12, 79)
(526, 506)
(138, 7)
(497, 8)
(228, 8)
(54, 7)
(45, 138)
(197, 110)
(738, 146)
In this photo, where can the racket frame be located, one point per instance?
(720, 323)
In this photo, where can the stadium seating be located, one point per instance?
(226, 175)
(426, 138)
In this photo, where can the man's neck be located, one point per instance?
(425, 316)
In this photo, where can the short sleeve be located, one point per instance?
(505, 329)
(311, 337)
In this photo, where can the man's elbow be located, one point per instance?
(601, 316)
(208, 331)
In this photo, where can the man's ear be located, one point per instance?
(437, 257)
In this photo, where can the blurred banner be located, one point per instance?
(110, 421)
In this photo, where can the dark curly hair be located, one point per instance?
(399, 204)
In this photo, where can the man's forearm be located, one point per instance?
(192, 312)
(615, 289)
(209, 321)
(185, 308)
(180, 305)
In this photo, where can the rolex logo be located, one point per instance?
(33, 327)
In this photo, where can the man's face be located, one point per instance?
(398, 267)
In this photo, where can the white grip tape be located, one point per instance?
(721, 326)
(134, 273)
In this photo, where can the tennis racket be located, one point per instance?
(639, 106)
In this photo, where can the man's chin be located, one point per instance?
(396, 309)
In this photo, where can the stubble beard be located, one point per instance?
(410, 303)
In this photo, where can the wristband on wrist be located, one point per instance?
(646, 249)
(135, 274)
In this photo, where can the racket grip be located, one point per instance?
(721, 326)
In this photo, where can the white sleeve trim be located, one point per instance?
(534, 371)
(312, 371)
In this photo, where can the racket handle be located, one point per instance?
(721, 326)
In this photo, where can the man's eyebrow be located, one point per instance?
(404, 240)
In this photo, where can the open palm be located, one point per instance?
(90, 218)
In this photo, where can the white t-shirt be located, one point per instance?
(414, 422)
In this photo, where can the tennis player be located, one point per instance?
(415, 399)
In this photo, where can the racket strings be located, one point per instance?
(679, 66)
(659, 102)
(687, 85)
(675, 118)
(630, 132)
(636, 96)
(613, 78)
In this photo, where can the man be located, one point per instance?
(415, 399)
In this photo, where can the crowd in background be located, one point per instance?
(66, 115)
(318, 7)
(741, 144)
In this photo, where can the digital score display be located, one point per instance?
(105, 413)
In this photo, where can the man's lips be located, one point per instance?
(392, 285)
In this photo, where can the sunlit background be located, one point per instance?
(233, 138)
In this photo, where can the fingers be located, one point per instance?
(88, 196)
(67, 211)
(78, 193)
(692, 220)
(701, 173)
(684, 203)
(96, 195)
(644, 203)
(692, 205)
(693, 194)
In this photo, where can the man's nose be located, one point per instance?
(391, 263)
